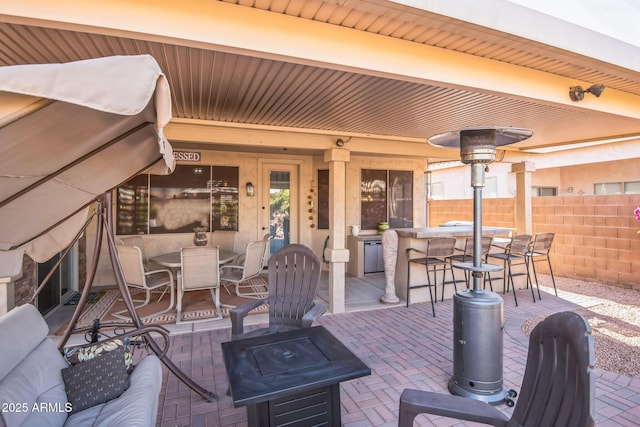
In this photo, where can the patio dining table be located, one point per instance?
(172, 259)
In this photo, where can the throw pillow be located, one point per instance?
(75, 355)
(96, 381)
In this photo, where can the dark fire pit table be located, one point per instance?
(290, 377)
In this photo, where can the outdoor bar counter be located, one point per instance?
(417, 238)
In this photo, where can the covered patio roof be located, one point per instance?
(269, 75)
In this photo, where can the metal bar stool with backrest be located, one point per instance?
(434, 259)
(467, 254)
(515, 254)
(539, 251)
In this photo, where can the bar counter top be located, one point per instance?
(456, 231)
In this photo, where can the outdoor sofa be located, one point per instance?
(32, 389)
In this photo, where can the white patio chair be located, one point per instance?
(131, 261)
(200, 270)
(252, 267)
(266, 240)
(139, 241)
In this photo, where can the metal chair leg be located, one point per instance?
(552, 277)
(408, 282)
(453, 279)
(513, 286)
(530, 282)
(433, 307)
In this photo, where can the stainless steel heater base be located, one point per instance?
(477, 346)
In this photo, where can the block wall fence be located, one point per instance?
(596, 236)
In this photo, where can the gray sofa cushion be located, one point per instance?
(34, 380)
(16, 343)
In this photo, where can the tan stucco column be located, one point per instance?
(7, 297)
(523, 196)
(336, 252)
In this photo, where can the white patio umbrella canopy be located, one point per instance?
(68, 133)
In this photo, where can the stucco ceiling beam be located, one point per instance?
(216, 134)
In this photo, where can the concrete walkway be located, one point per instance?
(405, 348)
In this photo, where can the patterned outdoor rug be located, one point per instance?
(196, 305)
(99, 309)
(93, 298)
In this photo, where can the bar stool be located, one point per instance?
(539, 251)
(467, 255)
(435, 259)
(515, 254)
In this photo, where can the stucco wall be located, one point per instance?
(456, 181)
(574, 180)
(581, 178)
(352, 194)
(595, 239)
(354, 168)
(251, 208)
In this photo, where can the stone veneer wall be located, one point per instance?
(25, 285)
(596, 236)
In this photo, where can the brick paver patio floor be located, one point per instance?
(404, 347)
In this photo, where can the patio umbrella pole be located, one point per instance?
(106, 212)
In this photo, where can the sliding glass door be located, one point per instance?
(61, 284)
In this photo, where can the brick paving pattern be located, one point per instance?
(404, 347)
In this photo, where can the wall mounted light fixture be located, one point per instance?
(576, 93)
(342, 141)
(250, 189)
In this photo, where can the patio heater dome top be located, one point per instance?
(478, 145)
(504, 136)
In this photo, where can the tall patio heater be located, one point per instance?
(478, 314)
